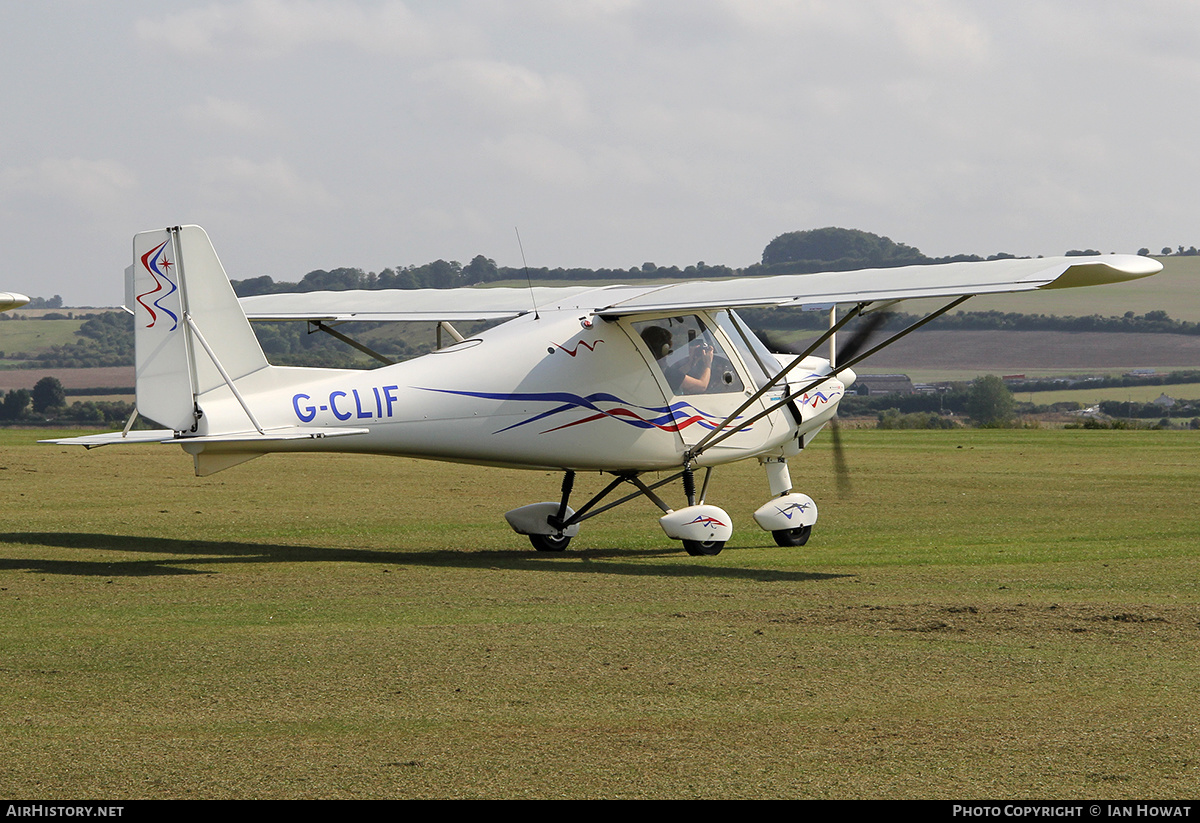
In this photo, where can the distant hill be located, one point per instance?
(835, 249)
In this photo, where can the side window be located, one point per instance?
(690, 356)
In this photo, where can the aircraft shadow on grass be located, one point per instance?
(211, 552)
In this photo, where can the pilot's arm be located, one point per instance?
(699, 368)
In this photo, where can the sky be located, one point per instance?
(378, 133)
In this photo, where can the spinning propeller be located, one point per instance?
(847, 351)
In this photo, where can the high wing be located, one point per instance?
(821, 289)
(406, 304)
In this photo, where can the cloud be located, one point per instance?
(267, 28)
(227, 115)
(272, 183)
(938, 34)
(91, 185)
(536, 157)
(492, 90)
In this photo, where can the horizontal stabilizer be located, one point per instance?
(283, 433)
(115, 438)
(168, 436)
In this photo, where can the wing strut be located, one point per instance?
(716, 435)
(350, 342)
(450, 330)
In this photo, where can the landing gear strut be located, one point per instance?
(703, 529)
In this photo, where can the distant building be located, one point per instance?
(1162, 401)
(873, 384)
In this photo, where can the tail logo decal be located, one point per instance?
(156, 263)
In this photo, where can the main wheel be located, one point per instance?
(703, 548)
(549, 542)
(792, 537)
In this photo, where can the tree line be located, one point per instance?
(46, 403)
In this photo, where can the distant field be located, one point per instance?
(36, 335)
(992, 613)
(1033, 352)
(1134, 394)
(1175, 290)
(109, 378)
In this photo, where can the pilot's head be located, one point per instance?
(658, 340)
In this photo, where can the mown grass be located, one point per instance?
(990, 614)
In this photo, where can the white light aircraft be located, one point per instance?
(624, 380)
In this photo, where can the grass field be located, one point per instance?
(990, 614)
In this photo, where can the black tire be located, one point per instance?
(549, 542)
(790, 538)
(703, 548)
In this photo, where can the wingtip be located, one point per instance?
(1096, 271)
(12, 300)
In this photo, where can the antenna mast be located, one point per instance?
(528, 279)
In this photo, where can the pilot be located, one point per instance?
(689, 377)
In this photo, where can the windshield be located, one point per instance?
(762, 363)
(690, 355)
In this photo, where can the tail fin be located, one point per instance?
(175, 279)
(199, 365)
